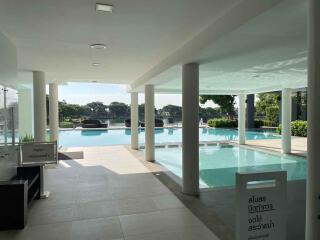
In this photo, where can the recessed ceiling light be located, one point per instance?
(98, 46)
(96, 64)
(104, 7)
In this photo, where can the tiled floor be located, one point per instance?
(298, 145)
(108, 195)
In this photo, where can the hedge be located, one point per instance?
(66, 124)
(298, 128)
(268, 123)
(227, 123)
(222, 123)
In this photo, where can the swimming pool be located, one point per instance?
(82, 138)
(218, 165)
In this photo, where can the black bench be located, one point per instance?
(17, 195)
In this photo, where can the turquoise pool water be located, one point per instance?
(218, 165)
(81, 138)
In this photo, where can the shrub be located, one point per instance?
(298, 128)
(269, 123)
(272, 114)
(26, 139)
(222, 123)
(66, 124)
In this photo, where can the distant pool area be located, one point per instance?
(83, 138)
(218, 164)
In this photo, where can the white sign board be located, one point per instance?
(38, 153)
(261, 206)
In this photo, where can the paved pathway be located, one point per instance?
(299, 145)
(108, 195)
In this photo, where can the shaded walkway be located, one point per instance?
(108, 195)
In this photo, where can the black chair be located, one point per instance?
(157, 123)
(127, 123)
(93, 123)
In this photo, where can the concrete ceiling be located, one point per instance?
(243, 46)
(54, 35)
(266, 52)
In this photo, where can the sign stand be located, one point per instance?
(261, 205)
(39, 154)
(43, 194)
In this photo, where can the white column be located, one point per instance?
(39, 101)
(149, 122)
(242, 119)
(53, 112)
(25, 108)
(190, 129)
(134, 121)
(313, 179)
(286, 120)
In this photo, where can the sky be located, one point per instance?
(83, 93)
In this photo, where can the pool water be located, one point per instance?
(81, 138)
(218, 165)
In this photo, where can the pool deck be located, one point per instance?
(299, 145)
(108, 194)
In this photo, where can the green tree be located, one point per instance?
(97, 107)
(173, 111)
(226, 103)
(119, 110)
(267, 100)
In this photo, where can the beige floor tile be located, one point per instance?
(136, 205)
(156, 236)
(52, 214)
(159, 221)
(167, 201)
(56, 231)
(92, 210)
(100, 194)
(97, 229)
(196, 233)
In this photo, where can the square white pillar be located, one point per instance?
(242, 119)
(134, 121)
(25, 108)
(53, 111)
(149, 123)
(313, 177)
(286, 120)
(39, 101)
(190, 129)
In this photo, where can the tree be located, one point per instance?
(268, 106)
(97, 107)
(226, 103)
(119, 110)
(266, 100)
(172, 110)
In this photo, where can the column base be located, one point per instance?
(191, 194)
(45, 195)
